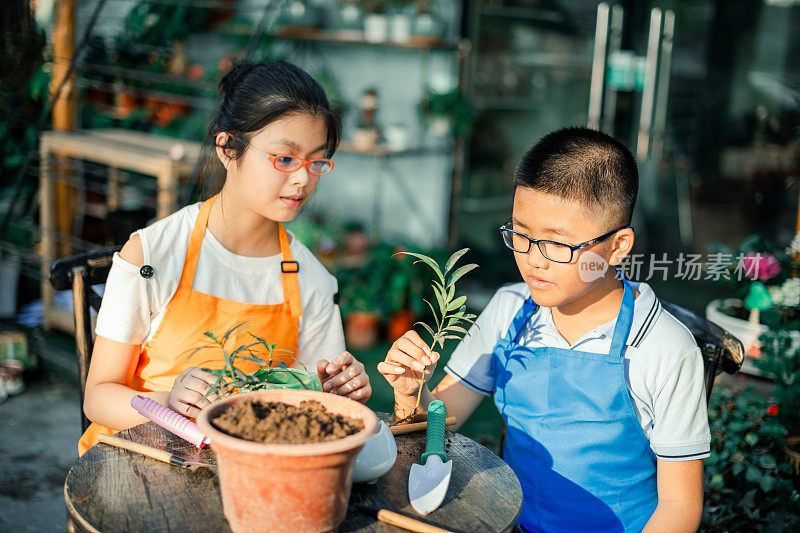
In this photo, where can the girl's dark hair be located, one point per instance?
(256, 95)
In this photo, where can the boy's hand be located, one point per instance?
(405, 361)
(186, 396)
(345, 376)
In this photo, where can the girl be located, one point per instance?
(210, 266)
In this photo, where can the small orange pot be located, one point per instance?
(400, 323)
(361, 329)
(287, 487)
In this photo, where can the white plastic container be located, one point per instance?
(376, 457)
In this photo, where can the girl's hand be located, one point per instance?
(405, 361)
(186, 396)
(345, 376)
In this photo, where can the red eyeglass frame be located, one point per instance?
(273, 158)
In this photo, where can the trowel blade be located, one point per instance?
(427, 484)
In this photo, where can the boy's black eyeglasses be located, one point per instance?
(554, 251)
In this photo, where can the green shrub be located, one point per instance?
(747, 479)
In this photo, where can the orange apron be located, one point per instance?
(190, 313)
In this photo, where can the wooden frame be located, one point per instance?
(79, 273)
(144, 153)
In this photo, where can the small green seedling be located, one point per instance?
(272, 374)
(452, 313)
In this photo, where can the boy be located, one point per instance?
(601, 389)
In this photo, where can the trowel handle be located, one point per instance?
(434, 439)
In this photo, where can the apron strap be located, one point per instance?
(289, 276)
(195, 242)
(522, 317)
(624, 321)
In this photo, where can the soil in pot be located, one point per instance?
(280, 423)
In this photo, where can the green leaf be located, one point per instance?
(451, 292)
(455, 304)
(439, 285)
(427, 328)
(232, 331)
(753, 474)
(210, 335)
(435, 316)
(254, 359)
(767, 483)
(440, 299)
(767, 461)
(454, 259)
(243, 348)
(737, 468)
(751, 438)
(197, 350)
(428, 261)
(457, 329)
(460, 272)
(228, 360)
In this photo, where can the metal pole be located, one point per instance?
(662, 95)
(597, 85)
(649, 93)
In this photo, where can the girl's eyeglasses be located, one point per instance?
(290, 163)
(554, 251)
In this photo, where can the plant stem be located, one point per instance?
(419, 392)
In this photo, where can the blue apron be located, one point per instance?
(572, 436)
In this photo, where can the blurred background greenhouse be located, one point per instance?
(104, 113)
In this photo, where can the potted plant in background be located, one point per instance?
(300, 17)
(428, 27)
(766, 289)
(446, 112)
(376, 22)
(360, 304)
(401, 22)
(285, 450)
(347, 20)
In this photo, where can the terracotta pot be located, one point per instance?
(287, 487)
(361, 329)
(400, 322)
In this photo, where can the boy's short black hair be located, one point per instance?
(583, 165)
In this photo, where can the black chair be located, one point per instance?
(722, 352)
(79, 273)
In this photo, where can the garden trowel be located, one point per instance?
(428, 482)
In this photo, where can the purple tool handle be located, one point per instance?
(169, 420)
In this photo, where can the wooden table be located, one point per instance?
(109, 489)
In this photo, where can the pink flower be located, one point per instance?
(761, 266)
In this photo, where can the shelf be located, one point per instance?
(383, 151)
(546, 16)
(505, 103)
(345, 38)
(556, 60)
